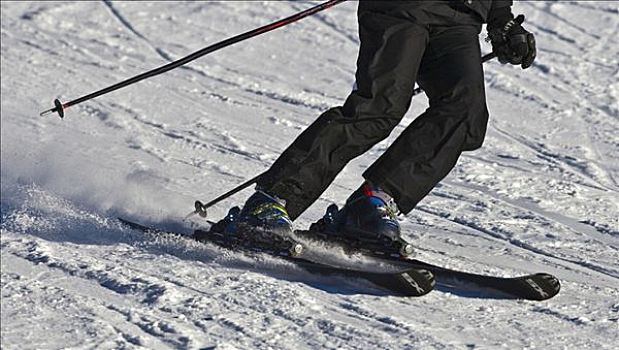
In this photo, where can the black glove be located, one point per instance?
(512, 43)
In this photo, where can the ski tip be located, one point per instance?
(543, 286)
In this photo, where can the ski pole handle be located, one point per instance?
(488, 57)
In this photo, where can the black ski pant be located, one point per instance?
(402, 42)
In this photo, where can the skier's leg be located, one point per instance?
(451, 75)
(389, 57)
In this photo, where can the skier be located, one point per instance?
(433, 43)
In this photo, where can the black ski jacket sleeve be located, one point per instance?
(490, 10)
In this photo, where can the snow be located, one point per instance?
(541, 195)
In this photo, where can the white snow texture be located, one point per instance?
(540, 195)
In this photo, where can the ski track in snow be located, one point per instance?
(542, 194)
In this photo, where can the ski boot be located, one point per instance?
(367, 222)
(217, 231)
(263, 224)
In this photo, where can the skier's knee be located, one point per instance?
(374, 127)
(476, 133)
(376, 116)
(381, 127)
(477, 123)
(462, 97)
(465, 104)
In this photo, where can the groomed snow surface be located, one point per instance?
(541, 195)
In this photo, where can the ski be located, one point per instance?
(416, 278)
(409, 281)
(537, 286)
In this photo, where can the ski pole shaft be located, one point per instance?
(488, 57)
(59, 107)
(484, 59)
(201, 207)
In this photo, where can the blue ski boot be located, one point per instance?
(366, 222)
(263, 223)
(266, 212)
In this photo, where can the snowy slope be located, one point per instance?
(541, 195)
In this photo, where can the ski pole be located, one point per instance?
(200, 208)
(59, 107)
